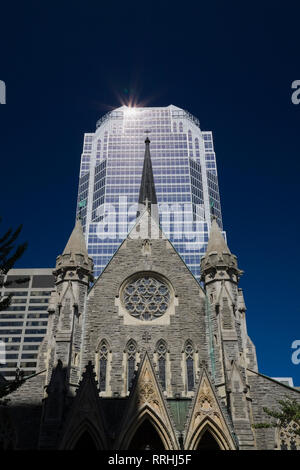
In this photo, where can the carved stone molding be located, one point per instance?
(148, 393)
(206, 414)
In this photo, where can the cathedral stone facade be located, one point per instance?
(146, 358)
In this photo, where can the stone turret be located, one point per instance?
(220, 274)
(73, 273)
(74, 263)
(231, 344)
(218, 262)
(62, 347)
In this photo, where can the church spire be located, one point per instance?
(216, 240)
(76, 243)
(75, 258)
(147, 194)
(218, 257)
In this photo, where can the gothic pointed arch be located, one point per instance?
(207, 417)
(85, 442)
(161, 350)
(148, 435)
(189, 360)
(86, 437)
(102, 362)
(208, 442)
(146, 402)
(85, 416)
(131, 361)
(209, 437)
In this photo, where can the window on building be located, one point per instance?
(15, 293)
(30, 347)
(12, 281)
(19, 301)
(11, 339)
(103, 358)
(161, 350)
(189, 360)
(37, 307)
(28, 364)
(131, 360)
(29, 356)
(12, 347)
(43, 281)
(40, 293)
(32, 339)
(38, 301)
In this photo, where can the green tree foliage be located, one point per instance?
(287, 412)
(9, 254)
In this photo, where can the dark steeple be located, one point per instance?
(147, 189)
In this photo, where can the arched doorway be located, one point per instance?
(207, 442)
(146, 438)
(85, 442)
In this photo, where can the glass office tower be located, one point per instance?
(23, 325)
(185, 174)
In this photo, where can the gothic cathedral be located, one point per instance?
(146, 357)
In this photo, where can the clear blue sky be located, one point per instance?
(231, 64)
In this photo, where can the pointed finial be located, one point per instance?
(216, 240)
(76, 243)
(147, 188)
(218, 258)
(75, 255)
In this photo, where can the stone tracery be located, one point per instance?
(146, 298)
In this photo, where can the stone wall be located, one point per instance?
(266, 392)
(104, 316)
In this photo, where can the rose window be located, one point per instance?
(146, 298)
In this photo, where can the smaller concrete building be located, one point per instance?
(23, 325)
